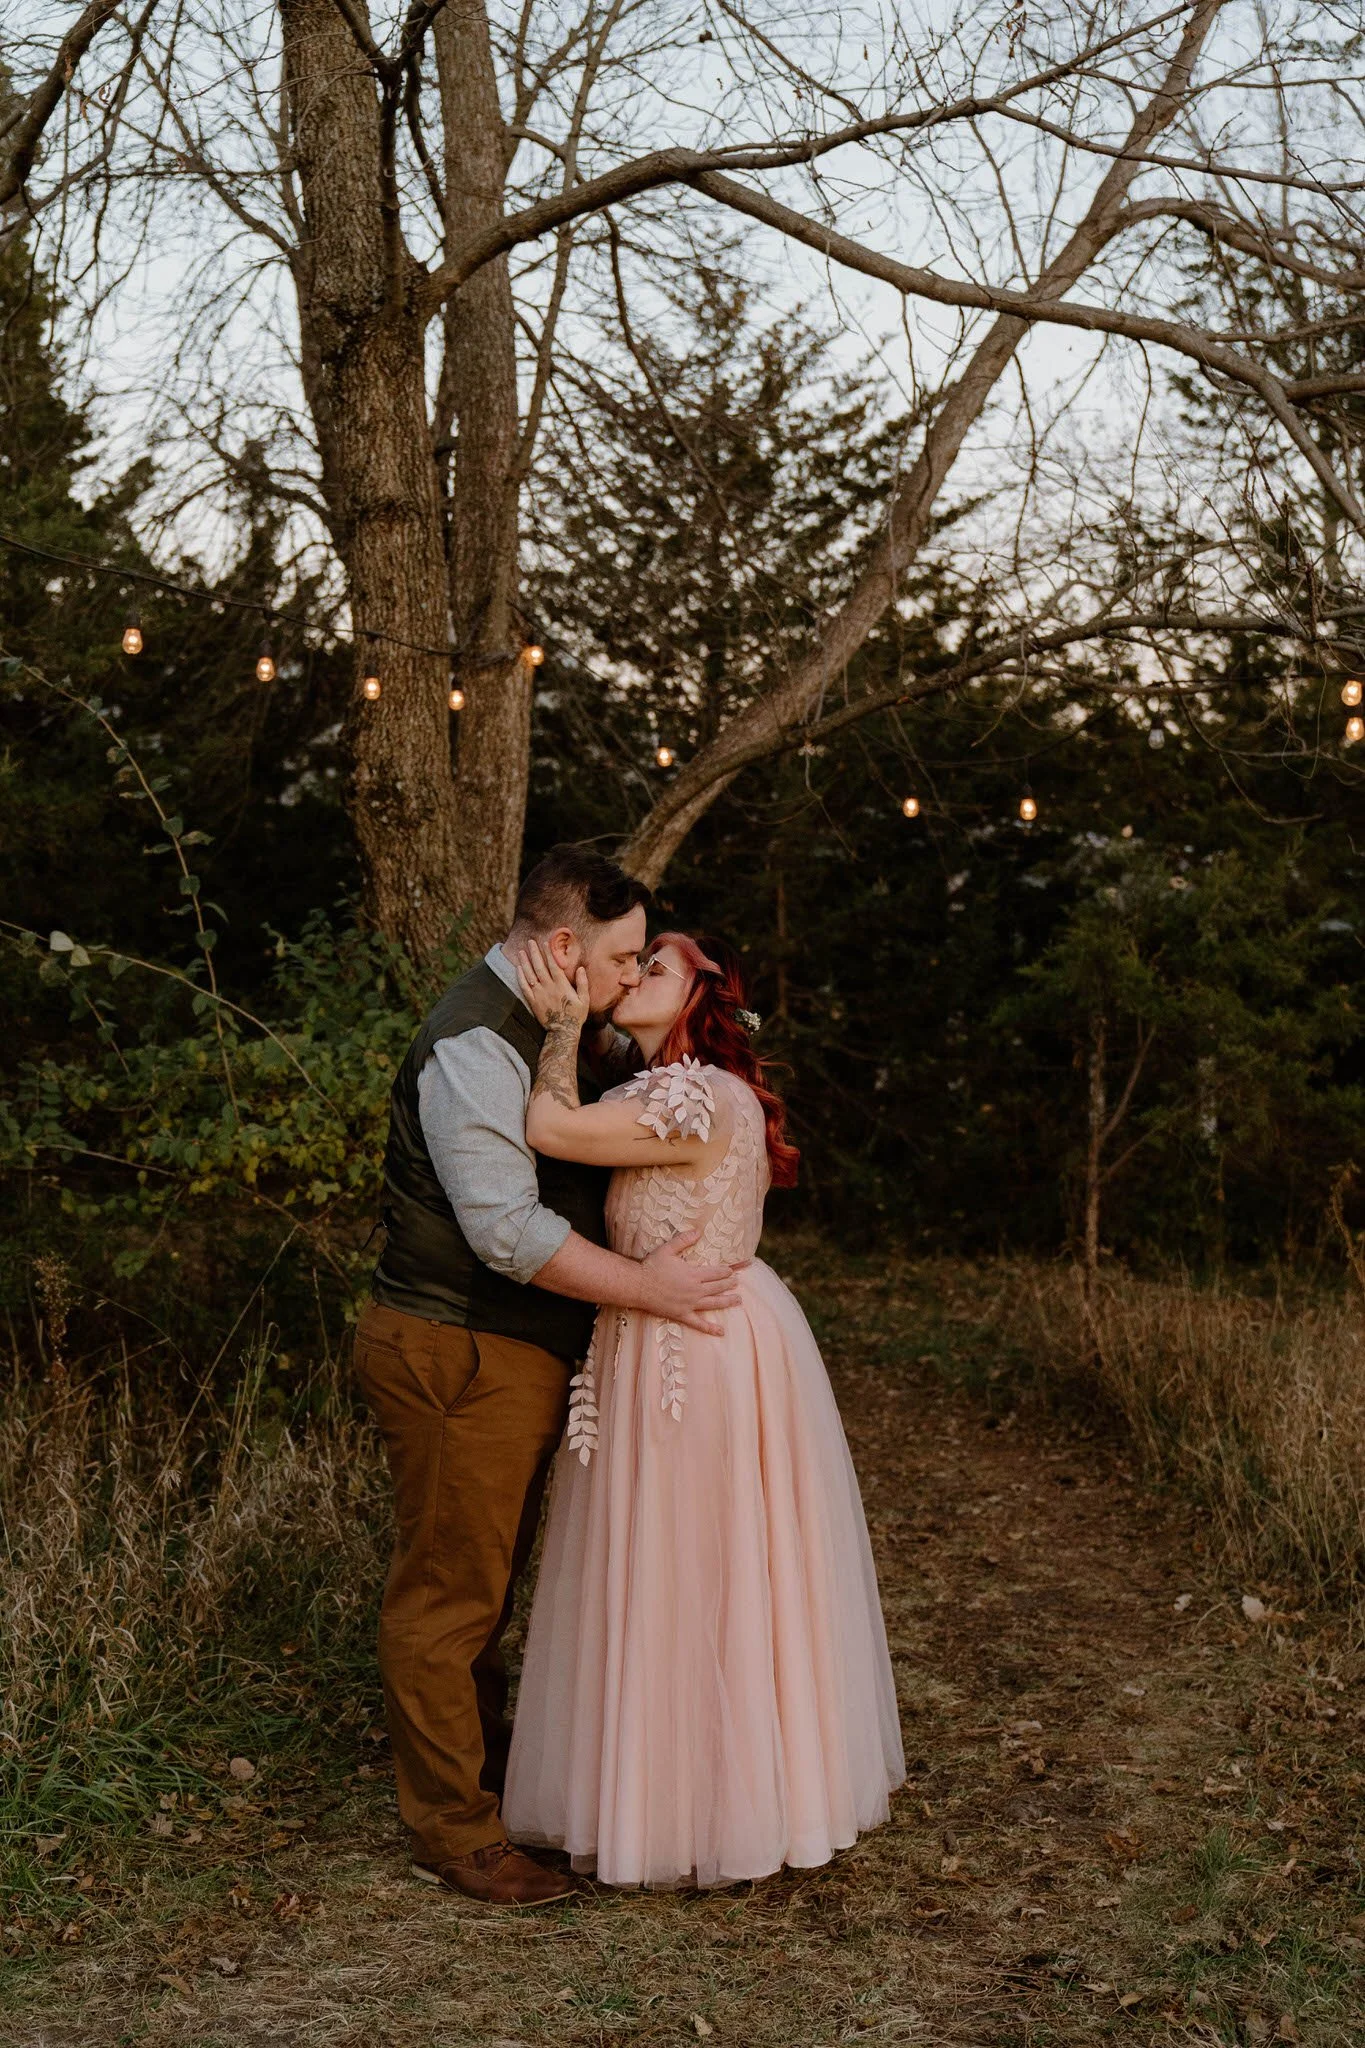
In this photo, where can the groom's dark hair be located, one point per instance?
(575, 886)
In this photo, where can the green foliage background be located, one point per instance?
(196, 1073)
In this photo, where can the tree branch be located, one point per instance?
(909, 512)
(32, 119)
(1207, 350)
(674, 166)
(1220, 225)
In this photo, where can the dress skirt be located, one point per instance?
(707, 1693)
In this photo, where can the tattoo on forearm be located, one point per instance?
(557, 1072)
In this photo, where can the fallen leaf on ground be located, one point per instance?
(48, 1845)
(703, 2027)
(1287, 2031)
(1129, 1999)
(226, 1966)
(1123, 1843)
(1252, 1608)
(176, 1984)
(1183, 1915)
(1183, 1602)
(242, 1768)
(161, 1824)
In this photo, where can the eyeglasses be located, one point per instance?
(663, 968)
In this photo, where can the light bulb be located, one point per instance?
(911, 807)
(1028, 807)
(1351, 693)
(1355, 730)
(371, 688)
(132, 635)
(533, 656)
(457, 700)
(665, 756)
(1157, 736)
(265, 664)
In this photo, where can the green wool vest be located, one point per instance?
(428, 1268)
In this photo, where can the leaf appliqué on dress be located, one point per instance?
(678, 1101)
(672, 1367)
(581, 1435)
(648, 1205)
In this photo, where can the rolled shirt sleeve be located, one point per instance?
(472, 1096)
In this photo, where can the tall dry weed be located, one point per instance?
(146, 1556)
(1257, 1405)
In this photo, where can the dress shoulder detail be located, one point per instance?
(677, 1101)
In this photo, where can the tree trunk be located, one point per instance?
(363, 362)
(478, 397)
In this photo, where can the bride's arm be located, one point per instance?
(597, 1133)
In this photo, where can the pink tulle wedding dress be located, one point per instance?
(706, 1693)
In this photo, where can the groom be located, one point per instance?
(483, 1299)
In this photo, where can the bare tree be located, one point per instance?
(398, 171)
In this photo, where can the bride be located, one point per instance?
(706, 1693)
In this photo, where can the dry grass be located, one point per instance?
(154, 1563)
(1256, 1405)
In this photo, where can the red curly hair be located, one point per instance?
(708, 1029)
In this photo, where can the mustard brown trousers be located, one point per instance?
(471, 1423)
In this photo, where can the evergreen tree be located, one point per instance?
(253, 764)
(887, 950)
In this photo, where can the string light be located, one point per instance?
(910, 806)
(132, 635)
(371, 689)
(1028, 806)
(457, 699)
(265, 664)
(1355, 730)
(666, 757)
(533, 656)
(1353, 691)
(1156, 736)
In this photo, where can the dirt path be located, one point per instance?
(1132, 1814)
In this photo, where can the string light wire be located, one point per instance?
(270, 613)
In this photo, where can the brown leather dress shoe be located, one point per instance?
(500, 1875)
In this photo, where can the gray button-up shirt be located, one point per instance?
(472, 1096)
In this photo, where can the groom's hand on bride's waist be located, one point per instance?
(680, 1292)
(665, 1284)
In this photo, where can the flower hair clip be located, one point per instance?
(750, 1019)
